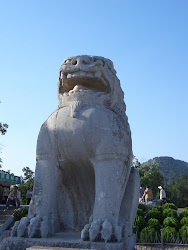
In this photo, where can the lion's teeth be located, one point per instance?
(97, 74)
(82, 73)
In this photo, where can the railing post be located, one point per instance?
(162, 243)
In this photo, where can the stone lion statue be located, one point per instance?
(83, 178)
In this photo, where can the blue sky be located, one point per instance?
(147, 42)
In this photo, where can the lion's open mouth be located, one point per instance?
(89, 80)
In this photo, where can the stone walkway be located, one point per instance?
(139, 247)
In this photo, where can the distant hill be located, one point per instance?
(169, 167)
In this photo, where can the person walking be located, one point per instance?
(162, 195)
(148, 194)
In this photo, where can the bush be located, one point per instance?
(169, 233)
(154, 223)
(184, 232)
(147, 233)
(184, 213)
(154, 214)
(169, 205)
(184, 221)
(170, 222)
(143, 207)
(19, 213)
(135, 230)
(140, 212)
(158, 208)
(139, 222)
(169, 212)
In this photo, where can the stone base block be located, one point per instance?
(52, 248)
(66, 240)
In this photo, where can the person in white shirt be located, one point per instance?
(162, 195)
(13, 198)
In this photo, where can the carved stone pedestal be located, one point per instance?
(67, 240)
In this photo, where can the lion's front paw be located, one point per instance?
(100, 230)
(35, 227)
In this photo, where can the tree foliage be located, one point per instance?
(3, 128)
(139, 222)
(170, 222)
(154, 214)
(28, 175)
(27, 182)
(169, 233)
(143, 207)
(184, 232)
(177, 190)
(184, 213)
(169, 212)
(184, 221)
(169, 205)
(154, 220)
(154, 223)
(169, 167)
(151, 176)
(19, 213)
(135, 163)
(148, 232)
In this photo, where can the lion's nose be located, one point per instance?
(79, 61)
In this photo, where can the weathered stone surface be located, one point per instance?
(52, 248)
(83, 177)
(66, 240)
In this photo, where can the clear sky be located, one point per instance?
(146, 40)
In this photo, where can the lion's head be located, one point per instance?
(90, 79)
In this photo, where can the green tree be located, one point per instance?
(151, 176)
(27, 182)
(3, 130)
(28, 175)
(135, 163)
(177, 191)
